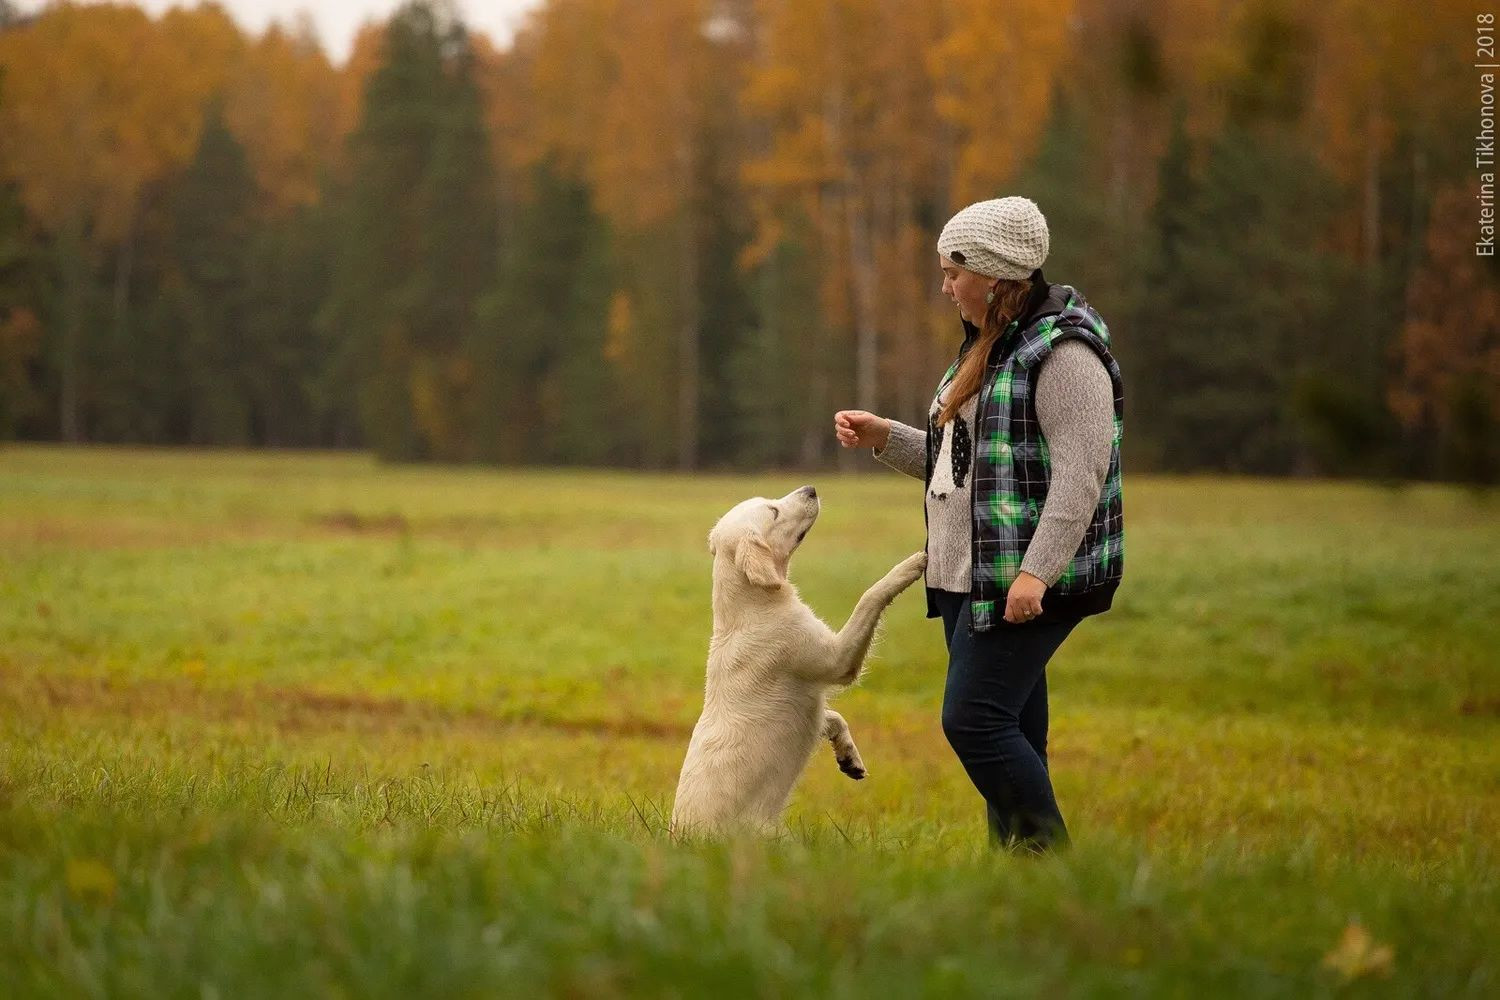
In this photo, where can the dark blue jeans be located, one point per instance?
(995, 718)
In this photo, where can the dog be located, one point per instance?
(771, 664)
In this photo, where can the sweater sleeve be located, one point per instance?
(1075, 408)
(906, 451)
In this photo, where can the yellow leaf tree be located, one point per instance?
(100, 101)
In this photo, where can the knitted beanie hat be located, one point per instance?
(999, 238)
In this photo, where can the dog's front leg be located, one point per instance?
(836, 731)
(852, 643)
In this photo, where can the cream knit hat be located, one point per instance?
(999, 238)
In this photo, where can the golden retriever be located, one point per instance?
(771, 664)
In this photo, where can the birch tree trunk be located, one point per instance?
(862, 268)
(687, 331)
(1371, 227)
(74, 270)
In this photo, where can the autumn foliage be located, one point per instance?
(683, 232)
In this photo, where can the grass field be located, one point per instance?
(282, 725)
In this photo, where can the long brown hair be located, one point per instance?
(1010, 298)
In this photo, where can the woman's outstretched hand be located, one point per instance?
(861, 429)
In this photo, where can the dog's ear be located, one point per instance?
(753, 557)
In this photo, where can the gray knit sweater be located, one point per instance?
(1075, 407)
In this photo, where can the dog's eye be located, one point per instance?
(775, 513)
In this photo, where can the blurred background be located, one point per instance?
(681, 233)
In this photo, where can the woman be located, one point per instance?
(1021, 460)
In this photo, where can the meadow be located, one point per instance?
(304, 724)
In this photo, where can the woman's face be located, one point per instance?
(966, 289)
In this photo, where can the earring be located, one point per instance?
(989, 297)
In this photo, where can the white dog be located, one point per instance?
(771, 662)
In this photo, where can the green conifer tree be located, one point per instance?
(211, 225)
(418, 239)
(543, 389)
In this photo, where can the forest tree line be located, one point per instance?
(681, 233)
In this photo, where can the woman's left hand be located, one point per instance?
(1024, 600)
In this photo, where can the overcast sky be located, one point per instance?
(337, 20)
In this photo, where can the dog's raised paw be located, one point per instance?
(910, 569)
(853, 770)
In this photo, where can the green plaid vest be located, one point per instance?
(1012, 466)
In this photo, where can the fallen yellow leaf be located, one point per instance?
(1358, 954)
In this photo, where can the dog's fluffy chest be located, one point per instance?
(752, 691)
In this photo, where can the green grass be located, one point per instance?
(282, 724)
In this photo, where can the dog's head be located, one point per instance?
(757, 537)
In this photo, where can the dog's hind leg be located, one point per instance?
(836, 731)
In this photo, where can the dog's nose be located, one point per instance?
(811, 493)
